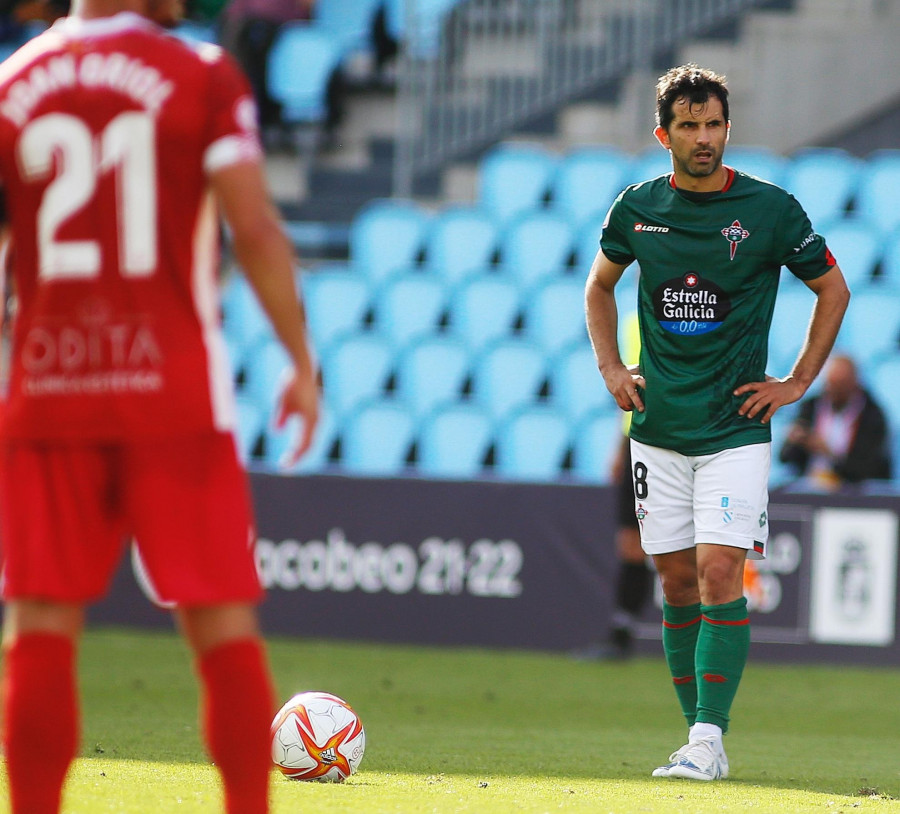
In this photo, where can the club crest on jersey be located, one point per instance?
(734, 234)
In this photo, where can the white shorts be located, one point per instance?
(681, 500)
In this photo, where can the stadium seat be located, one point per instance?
(249, 426)
(576, 385)
(193, 32)
(423, 37)
(586, 243)
(337, 302)
(508, 375)
(279, 441)
(647, 164)
(536, 245)
(876, 198)
(856, 245)
(431, 372)
(823, 180)
(460, 240)
(409, 305)
(264, 375)
(349, 22)
(244, 322)
(554, 314)
(760, 162)
(300, 63)
(454, 441)
(884, 383)
(793, 308)
(871, 327)
(588, 180)
(377, 439)
(514, 177)
(483, 308)
(890, 261)
(356, 368)
(386, 236)
(532, 444)
(594, 443)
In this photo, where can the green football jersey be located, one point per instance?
(709, 268)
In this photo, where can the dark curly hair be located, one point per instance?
(694, 83)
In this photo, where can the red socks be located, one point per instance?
(237, 713)
(41, 728)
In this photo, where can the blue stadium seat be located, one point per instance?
(876, 198)
(760, 162)
(426, 24)
(514, 177)
(337, 302)
(244, 322)
(856, 245)
(588, 180)
(536, 245)
(193, 32)
(884, 384)
(459, 241)
(482, 308)
(508, 375)
(249, 427)
(890, 261)
(576, 385)
(300, 63)
(824, 180)
(871, 327)
(348, 21)
(793, 308)
(554, 313)
(431, 372)
(532, 444)
(356, 368)
(454, 441)
(410, 305)
(595, 442)
(376, 440)
(586, 243)
(649, 163)
(264, 374)
(386, 236)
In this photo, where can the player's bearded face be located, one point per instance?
(697, 137)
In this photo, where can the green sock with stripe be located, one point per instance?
(722, 648)
(681, 626)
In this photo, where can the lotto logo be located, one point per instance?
(646, 227)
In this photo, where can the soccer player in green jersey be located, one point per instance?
(710, 242)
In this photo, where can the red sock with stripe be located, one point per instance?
(681, 625)
(722, 649)
(40, 713)
(237, 712)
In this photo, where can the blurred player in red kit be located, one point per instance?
(119, 146)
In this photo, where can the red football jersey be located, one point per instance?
(108, 131)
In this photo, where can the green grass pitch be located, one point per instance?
(453, 730)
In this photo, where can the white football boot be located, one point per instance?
(674, 758)
(703, 759)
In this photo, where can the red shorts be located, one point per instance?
(67, 511)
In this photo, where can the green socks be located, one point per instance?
(722, 648)
(681, 626)
(706, 648)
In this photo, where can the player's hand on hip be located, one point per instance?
(299, 397)
(766, 397)
(623, 383)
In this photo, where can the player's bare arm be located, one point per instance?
(602, 324)
(832, 297)
(267, 258)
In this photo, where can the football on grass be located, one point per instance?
(317, 736)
